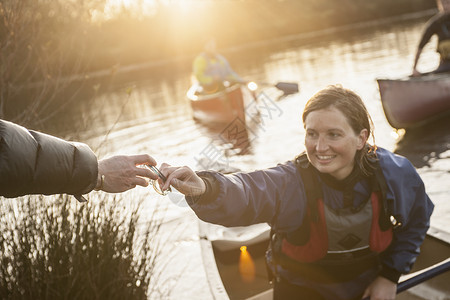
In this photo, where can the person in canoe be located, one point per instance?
(347, 217)
(212, 70)
(438, 25)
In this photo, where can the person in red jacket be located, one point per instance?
(347, 217)
(36, 163)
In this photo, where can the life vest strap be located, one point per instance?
(342, 256)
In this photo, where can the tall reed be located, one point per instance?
(54, 248)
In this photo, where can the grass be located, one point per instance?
(55, 248)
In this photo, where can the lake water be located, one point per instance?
(148, 113)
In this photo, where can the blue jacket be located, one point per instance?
(249, 198)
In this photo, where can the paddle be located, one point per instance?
(435, 270)
(287, 87)
(423, 275)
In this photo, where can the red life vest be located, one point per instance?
(318, 244)
(315, 243)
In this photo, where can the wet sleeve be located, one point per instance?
(244, 199)
(211, 191)
(430, 29)
(413, 208)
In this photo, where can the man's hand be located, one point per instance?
(121, 173)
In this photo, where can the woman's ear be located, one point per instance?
(362, 138)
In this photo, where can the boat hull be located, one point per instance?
(225, 275)
(413, 101)
(222, 107)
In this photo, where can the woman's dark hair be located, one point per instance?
(353, 108)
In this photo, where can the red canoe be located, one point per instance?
(221, 107)
(413, 101)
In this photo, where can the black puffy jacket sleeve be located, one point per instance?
(37, 163)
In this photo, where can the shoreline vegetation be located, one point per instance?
(55, 249)
(43, 42)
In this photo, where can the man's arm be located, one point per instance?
(36, 163)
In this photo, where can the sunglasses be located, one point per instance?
(155, 184)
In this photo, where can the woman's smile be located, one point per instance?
(323, 158)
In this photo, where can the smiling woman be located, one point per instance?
(335, 211)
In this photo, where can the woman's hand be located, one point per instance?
(121, 173)
(183, 179)
(381, 289)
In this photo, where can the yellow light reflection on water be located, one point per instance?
(246, 265)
